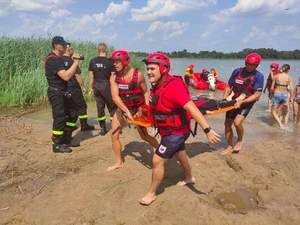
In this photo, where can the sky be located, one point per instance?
(159, 25)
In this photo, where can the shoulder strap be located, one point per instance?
(50, 56)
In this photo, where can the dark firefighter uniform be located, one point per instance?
(102, 67)
(63, 116)
(78, 102)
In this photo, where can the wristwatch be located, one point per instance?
(206, 130)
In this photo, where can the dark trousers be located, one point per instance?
(103, 97)
(63, 111)
(79, 102)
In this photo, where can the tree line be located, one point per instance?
(266, 53)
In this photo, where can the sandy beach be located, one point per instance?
(259, 186)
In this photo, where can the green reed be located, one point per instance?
(22, 76)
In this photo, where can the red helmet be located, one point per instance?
(121, 55)
(204, 71)
(162, 60)
(253, 58)
(191, 65)
(275, 66)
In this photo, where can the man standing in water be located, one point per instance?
(100, 70)
(248, 81)
(57, 77)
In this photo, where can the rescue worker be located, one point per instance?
(100, 70)
(246, 80)
(204, 74)
(169, 103)
(57, 77)
(129, 92)
(77, 89)
(188, 73)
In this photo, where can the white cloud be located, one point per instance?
(263, 7)
(63, 22)
(11, 6)
(117, 9)
(158, 8)
(60, 13)
(163, 30)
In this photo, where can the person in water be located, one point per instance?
(274, 71)
(129, 92)
(246, 80)
(282, 88)
(188, 73)
(214, 72)
(296, 104)
(169, 101)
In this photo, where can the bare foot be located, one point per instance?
(186, 181)
(115, 167)
(227, 151)
(147, 199)
(237, 148)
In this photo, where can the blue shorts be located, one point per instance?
(171, 144)
(280, 99)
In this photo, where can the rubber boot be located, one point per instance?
(68, 138)
(103, 129)
(58, 146)
(85, 126)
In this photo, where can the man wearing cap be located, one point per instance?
(100, 70)
(57, 77)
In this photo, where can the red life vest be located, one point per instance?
(130, 93)
(164, 119)
(243, 84)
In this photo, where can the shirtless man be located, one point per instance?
(282, 88)
(129, 92)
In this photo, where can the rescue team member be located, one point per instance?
(249, 81)
(100, 70)
(129, 92)
(76, 88)
(169, 101)
(57, 77)
(273, 73)
(188, 73)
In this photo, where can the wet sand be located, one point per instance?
(258, 186)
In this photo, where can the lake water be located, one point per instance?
(259, 123)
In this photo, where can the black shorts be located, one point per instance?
(171, 144)
(244, 111)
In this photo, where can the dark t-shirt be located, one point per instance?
(102, 68)
(54, 64)
(72, 83)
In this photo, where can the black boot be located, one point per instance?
(85, 126)
(58, 146)
(68, 138)
(103, 129)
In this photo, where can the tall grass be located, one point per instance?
(22, 76)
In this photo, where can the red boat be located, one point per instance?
(200, 84)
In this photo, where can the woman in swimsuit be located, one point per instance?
(281, 87)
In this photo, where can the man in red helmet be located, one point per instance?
(169, 101)
(129, 92)
(248, 81)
